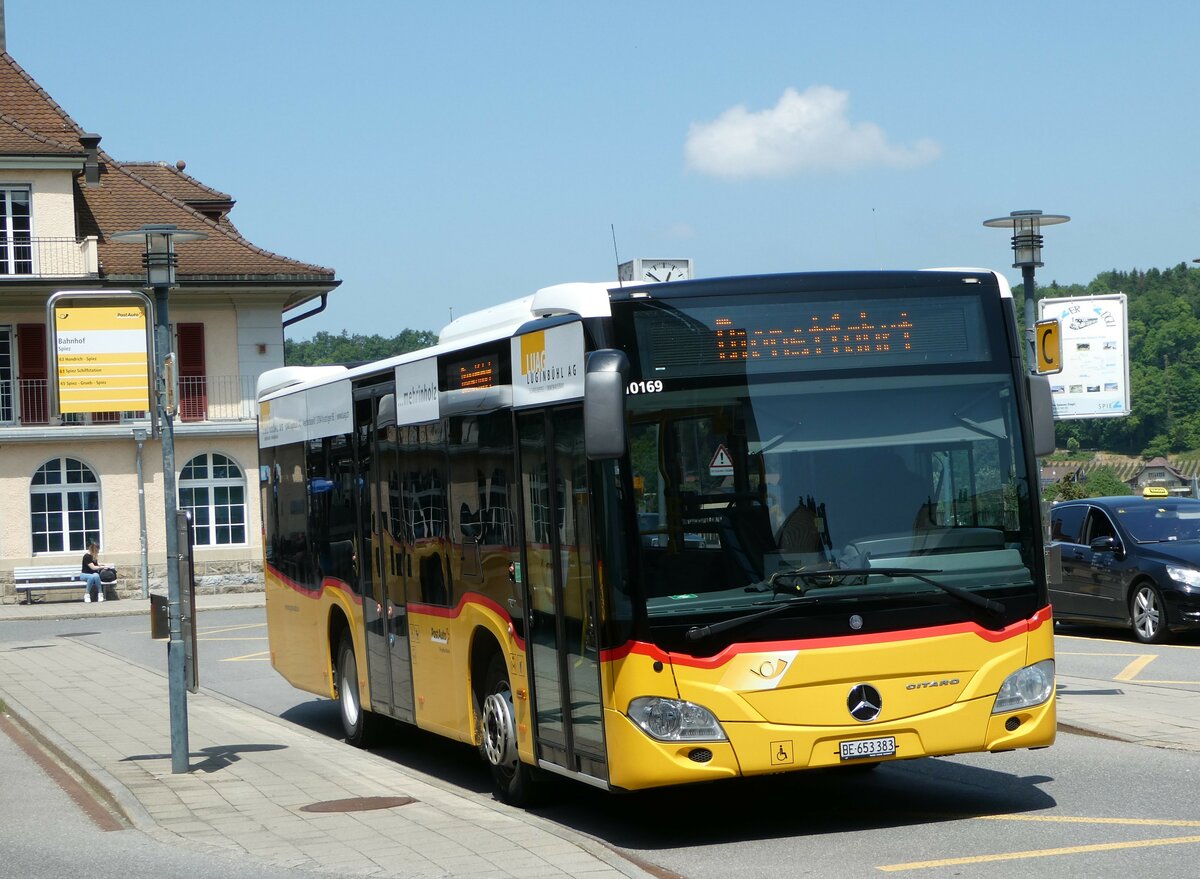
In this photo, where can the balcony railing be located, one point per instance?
(24, 257)
(211, 398)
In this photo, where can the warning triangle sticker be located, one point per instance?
(722, 463)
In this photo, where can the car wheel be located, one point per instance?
(513, 782)
(356, 722)
(1148, 614)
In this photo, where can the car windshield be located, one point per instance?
(1161, 522)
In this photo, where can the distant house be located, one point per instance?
(65, 481)
(1053, 474)
(1158, 472)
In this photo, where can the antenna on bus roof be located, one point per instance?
(616, 255)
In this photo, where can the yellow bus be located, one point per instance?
(660, 534)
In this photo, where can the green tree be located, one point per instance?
(327, 347)
(1103, 482)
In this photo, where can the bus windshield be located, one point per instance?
(751, 475)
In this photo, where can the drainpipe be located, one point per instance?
(295, 320)
(139, 435)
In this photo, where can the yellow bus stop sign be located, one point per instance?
(1048, 344)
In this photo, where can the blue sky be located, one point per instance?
(453, 155)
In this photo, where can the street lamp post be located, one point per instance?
(1027, 255)
(159, 261)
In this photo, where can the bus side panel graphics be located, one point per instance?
(298, 628)
(441, 639)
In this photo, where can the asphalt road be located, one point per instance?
(1083, 808)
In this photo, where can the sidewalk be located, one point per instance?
(252, 774)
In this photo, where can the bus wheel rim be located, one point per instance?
(349, 701)
(499, 730)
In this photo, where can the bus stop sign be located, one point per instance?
(1049, 347)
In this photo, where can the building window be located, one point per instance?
(213, 489)
(64, 505)
(16, 245)
(7, 375)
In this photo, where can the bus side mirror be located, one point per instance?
(1041, 410)
(604, 404)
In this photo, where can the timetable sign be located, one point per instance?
(103, 361)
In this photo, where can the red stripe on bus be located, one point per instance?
(1020, 627)
(309, 592)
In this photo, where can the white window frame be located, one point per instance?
(76, 482)
(8, 374)
(16, 245)
(209, 511)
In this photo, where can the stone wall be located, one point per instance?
(212, 578)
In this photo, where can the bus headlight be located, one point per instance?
(1026, 687)
(674, 720)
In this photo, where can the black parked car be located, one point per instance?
(1129, 561)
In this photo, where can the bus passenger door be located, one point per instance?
(560, 594)
(380, 557)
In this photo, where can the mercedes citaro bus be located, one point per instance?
(659, 534)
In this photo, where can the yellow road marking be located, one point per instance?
(1134, 668)
(1095, 640)
(250, 657)
(1074, 819)
(221, 629)
(1040, 853)
(249, 638)
(1130, 673)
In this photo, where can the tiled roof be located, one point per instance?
(124, 201)
(131, 196)
(23, 99)
(170, 178)
(17, 140)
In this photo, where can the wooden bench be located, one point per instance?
(43, 578)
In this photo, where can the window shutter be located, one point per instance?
(32, 370)
(193, 393)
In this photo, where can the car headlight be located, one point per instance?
(674, 720)
(1026, 687)
(1186, 576)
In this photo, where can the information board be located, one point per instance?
(102, 357)
(1094, 382)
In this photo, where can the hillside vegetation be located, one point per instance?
(1164, 368)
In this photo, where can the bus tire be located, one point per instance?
(355, 721)
(513, 782)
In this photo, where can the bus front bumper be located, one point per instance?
(637, 761)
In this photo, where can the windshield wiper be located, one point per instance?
(695, 633)
(832, 576)
(825, 577)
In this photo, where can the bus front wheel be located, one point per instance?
(355, 721)
(513, 782)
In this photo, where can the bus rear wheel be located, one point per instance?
(513, 782)
(356, 722)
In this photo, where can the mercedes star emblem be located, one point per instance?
(864, 702)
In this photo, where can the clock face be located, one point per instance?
(663, 270)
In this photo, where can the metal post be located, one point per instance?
(159, 260)
(176, 658)
(139, 436)
(1030, 318)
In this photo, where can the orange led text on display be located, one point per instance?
(825, 336)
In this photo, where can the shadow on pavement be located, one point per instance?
(216, 757)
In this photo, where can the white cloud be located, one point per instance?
(806, 131)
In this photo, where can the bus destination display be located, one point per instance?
(479, 372)
(700, 338)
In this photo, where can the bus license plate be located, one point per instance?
(859, 748)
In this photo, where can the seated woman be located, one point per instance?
(91, 572)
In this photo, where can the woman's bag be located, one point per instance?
(108, 575)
